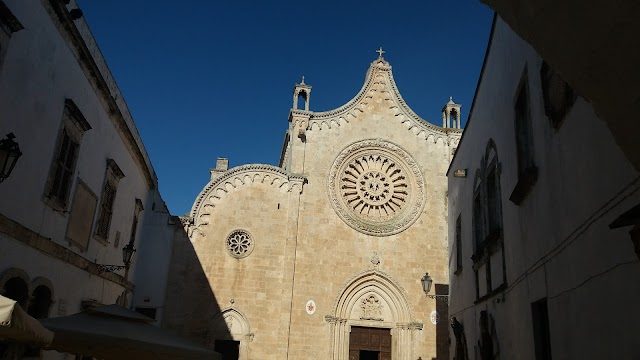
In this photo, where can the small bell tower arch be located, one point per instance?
(451, 115)
(303, 91)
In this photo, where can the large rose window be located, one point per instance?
(376, 187)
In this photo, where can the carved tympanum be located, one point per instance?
(371, 308)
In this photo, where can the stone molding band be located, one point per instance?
(242, 175)
(380, 72)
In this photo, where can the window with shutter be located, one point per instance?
(106, 209)
(113, 174)
(527, 170)
(134, 223)
(458, 245)
(61, 175)
(488, 257)
(64, 168)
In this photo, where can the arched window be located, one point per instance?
(14, 284)
(39, 309)
(488, 238)
(455, 119)
(17, 289)
(302, 100)
(40, 302)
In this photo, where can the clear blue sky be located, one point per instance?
(207, 79)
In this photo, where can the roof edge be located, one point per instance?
(475, 94)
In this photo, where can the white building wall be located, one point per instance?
(41, 69)
(557, 242)
(154, 256)
(38, 73)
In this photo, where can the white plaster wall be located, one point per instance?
(71, 285)
(65, 278)
(557, 242)
(38, 73)
(153, 256)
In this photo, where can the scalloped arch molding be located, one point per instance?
(379, 78)
(219, 187)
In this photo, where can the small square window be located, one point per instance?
(150, 312)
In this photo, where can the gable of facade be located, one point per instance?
(337, 237)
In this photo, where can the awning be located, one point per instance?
(113, 332)
(17, 325)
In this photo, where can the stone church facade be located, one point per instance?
(321, 257)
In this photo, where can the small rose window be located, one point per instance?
(240, 244)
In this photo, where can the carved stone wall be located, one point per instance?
(349, 224)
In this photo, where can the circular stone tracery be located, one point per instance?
(376, 187)
(239, 244)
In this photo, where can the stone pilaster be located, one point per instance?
(298, 123)
(288, 267)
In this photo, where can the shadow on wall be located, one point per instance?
(442, 327)
(191, 308)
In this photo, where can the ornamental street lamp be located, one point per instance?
(426, 283)
(9, 155)
(127, 253)
(426, 287)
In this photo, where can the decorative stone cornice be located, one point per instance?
(331, 319)
(299, 120)
(414, 325)
(57, 252)
(241, 175)
(380, 73)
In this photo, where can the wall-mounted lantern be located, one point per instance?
(427, 281)
(9, 155)
(127, 253)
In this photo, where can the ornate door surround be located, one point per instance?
(372, 299)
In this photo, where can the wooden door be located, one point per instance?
(367, 339)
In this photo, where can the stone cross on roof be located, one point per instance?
(380, 52)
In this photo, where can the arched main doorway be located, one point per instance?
(231, 335)
(371, 311)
